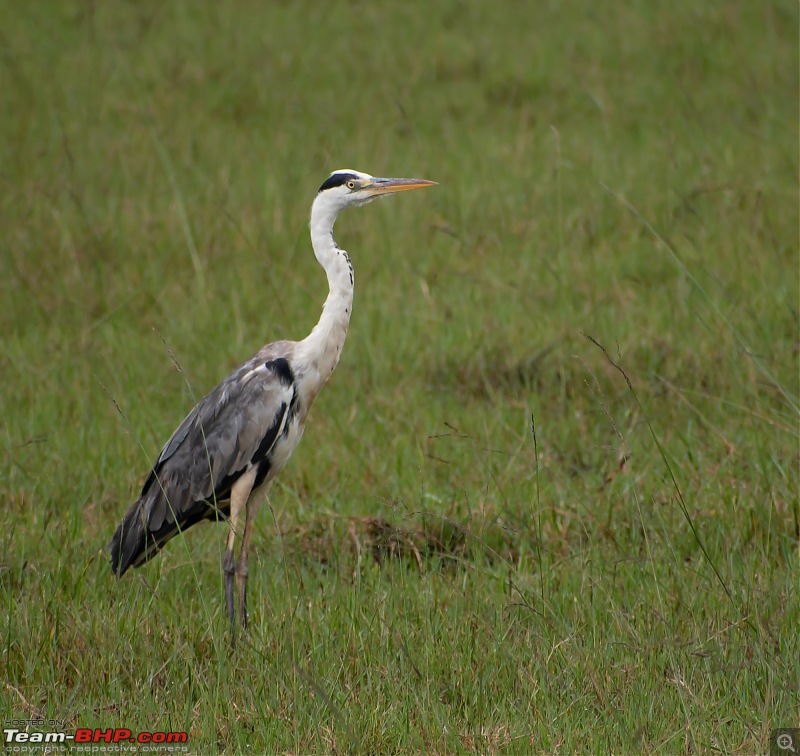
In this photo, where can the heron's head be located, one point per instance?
(346, 187)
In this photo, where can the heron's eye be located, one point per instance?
(351, 184)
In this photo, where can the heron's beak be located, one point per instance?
(380, 186)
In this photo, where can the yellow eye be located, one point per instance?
(351, 184)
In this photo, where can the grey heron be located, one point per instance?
(221, 461)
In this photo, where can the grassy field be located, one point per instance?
(549, 501)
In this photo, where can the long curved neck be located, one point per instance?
(322, 348)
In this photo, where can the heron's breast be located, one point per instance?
(286, 444)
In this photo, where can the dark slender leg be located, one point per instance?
(228, 571)
(239, 495)
(241, 584)
(241, 563)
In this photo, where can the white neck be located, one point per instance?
(319, 352)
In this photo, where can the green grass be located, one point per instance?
(624, 174)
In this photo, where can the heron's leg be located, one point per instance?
(253, 505)
(228, 572)
(241, 564)
(239, 495)
(242, 571)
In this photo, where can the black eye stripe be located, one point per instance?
(337, 179)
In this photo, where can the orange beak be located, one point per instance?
(379, 186)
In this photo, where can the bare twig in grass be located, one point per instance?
(623, 452)
(403, 647)
(353, 533)
(29, 707)
(116, 406)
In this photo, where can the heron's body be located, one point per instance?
(221, 461)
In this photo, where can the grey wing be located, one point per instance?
(231, 430)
